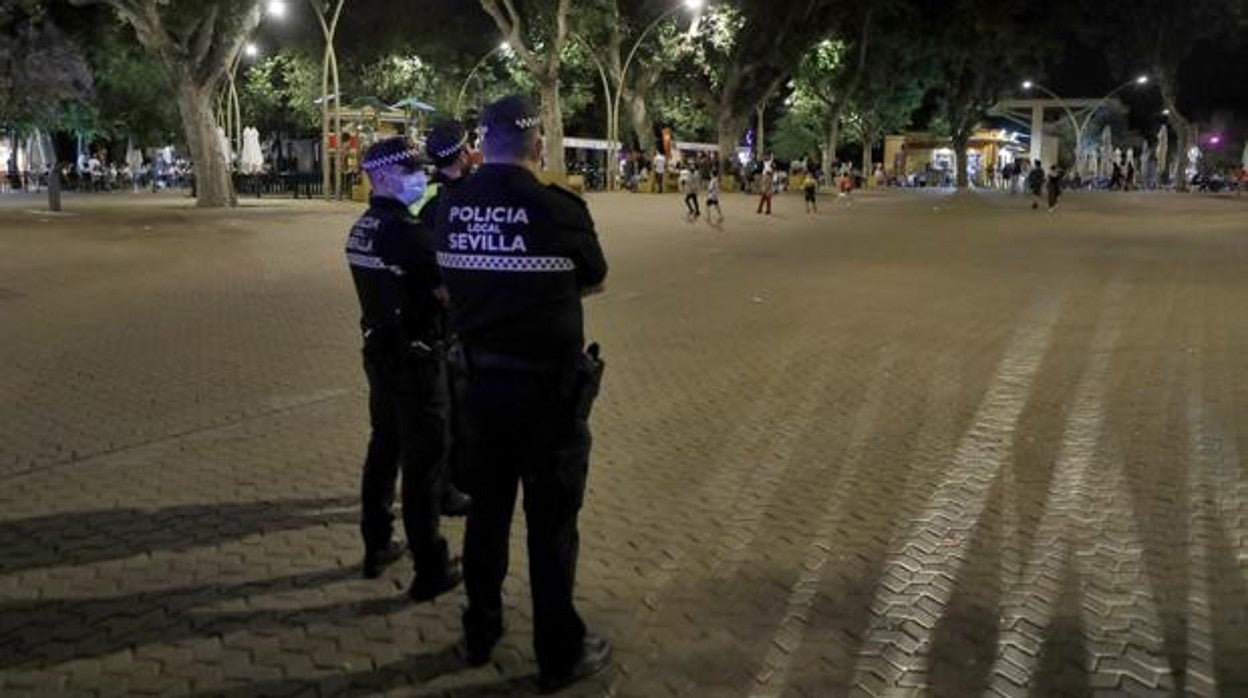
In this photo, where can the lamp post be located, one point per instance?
(613, 137)
(1078, 125)
(463, 88)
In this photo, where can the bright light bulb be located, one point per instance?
(694, 5)
(1165, 112)
(1027, 84)
(276, 9)
(1143, 79)
(251, 50)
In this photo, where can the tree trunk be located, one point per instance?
(960, 141)
(639, 113)
(212, 174)
(866, 162)
(552, 124)
(832, 134)
(1183, 139)
(728, 126)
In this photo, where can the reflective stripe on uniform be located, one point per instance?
(368, 261)
(490, 262)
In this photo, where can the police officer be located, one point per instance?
(445, 147)
(517, 257)
(391, 257)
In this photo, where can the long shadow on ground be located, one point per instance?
(108, 534)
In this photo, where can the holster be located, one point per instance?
(586, 380)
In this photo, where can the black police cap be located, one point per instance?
(510, 115)
(396, 150)
(445, 142)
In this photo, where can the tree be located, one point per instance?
(891, 79)
(979, 48)
(41, 71)
(538, 31)
(1159, 36)
(825, 79)
(196, 42)
(743, 53)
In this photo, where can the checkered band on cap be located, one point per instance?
(513, 113)
(451, 149)
(391, 151)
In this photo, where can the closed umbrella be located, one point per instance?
(1163, 149)
(1244, 160)
(1107, 151)
(225, 146)
(251, 160)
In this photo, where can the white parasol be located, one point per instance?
(251, 160)
(225, 146)
(134, 158)
(1163, 149)
(1107, 151)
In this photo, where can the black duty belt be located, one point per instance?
(488, 360)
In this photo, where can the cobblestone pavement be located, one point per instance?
(924, 445)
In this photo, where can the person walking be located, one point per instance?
(1035, 183)
(1054, 186)
(660, 170)
(766, 187)
(693, 189)
(517, 258)
(391, 259)
(712, 200)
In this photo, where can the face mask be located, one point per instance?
(413, 187)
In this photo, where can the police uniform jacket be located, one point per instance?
(515, 256)
(391, 256)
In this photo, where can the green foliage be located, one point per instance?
(132, 89)
(42, 73)
(675, 108)
(800, 132)
(279, 93)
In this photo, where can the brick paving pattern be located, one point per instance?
(926, 445)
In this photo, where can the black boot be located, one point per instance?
(429, 585)
(595, 658)
(376, 561)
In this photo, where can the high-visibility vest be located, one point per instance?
(431, 193)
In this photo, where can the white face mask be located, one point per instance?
(413, 188)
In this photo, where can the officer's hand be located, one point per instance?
(591, 290)
(443, 296)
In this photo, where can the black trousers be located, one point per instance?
(407, 402)
(691, 203)
(523, 433)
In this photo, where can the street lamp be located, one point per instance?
(1080, 126)
(693, 6)
(276, 9)
(251, 50)
(505, 47)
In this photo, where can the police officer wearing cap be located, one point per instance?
(391, 257)
(445, 147)
(517, 257)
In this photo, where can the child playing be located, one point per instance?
(712, 198)
(810, 186)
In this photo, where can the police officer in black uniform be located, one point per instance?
(391, 257)
(445, 147)
(517, 257)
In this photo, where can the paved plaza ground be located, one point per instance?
(929, 444)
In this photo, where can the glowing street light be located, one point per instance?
(251, 50)
(694, 5)
(1027, 84)
(276, 9)
(1142, 80)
